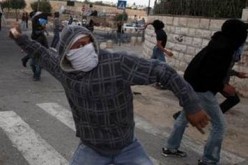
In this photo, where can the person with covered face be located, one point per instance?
(207, 73)
(39, 22)
(97, 85)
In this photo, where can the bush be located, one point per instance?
(121, 17)
(44, 6)
(206, 8)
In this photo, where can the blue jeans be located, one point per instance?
(211, 155)
(133, 154)
(55, 39)
(158, 54)
(35, 68)
(119, 38)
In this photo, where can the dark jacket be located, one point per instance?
(101, 100)
(208, 69)
(37, 29)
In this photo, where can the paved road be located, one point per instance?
(36, 127)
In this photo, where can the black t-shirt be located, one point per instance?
(161, 36)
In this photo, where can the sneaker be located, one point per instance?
(175, 115)
(36, 79)
(200, 162)
(177, 153)
(156, 85)
(24, 62)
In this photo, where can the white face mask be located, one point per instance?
(84, 58)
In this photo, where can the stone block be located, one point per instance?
(176, 21)
(169, 20)
(183, 21)
(245, 14)
(204, 23)
(178, 30)
(191, 32)
(190, 50)
(187, 40)
(184, 31)
(193, 22)
(216, 24)
(203, 33)
(180, 48)
(197, 42)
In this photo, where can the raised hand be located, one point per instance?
(199, 120)
(15, 30)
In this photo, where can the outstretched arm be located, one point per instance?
(147, 24)
(47, 58)
(165, 50)
(139, 71)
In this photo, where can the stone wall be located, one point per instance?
(186, 37)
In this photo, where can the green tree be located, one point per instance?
(100, 3)
(16, 5)
(13, 4)
(42, 5)
(86, 2)
(5, 4)
(121, 17)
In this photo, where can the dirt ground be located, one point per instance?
(158, 106)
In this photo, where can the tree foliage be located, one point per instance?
(5, 4)
(43, 5)
(206, 8)
(14, 4)
(121, 17)
(18, 4)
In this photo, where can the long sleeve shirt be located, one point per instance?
(101, 100)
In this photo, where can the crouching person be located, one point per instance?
(97, 84)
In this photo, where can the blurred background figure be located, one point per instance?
(119, 32)
(39, 21)
(70, 20)
(90, 25)
(1, 19)
(57, 28)
(25, 18)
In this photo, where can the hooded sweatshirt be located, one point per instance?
(101, 100)
(209, 68)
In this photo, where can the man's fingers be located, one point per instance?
(17, 26)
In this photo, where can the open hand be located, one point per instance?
(170, 54)
(199, 120)
(15, 30)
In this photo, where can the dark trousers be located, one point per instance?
(55, 39)
(225, 106)
(230, 102)
(35, 68)
(26, 58)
